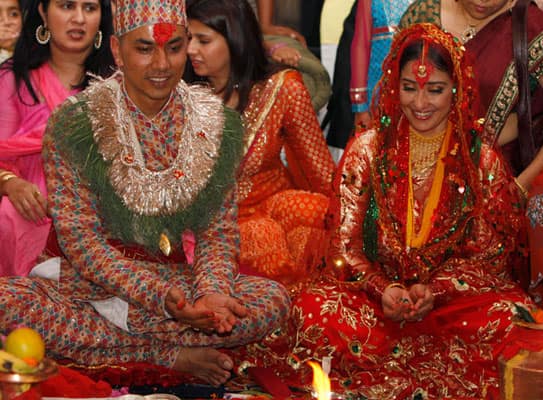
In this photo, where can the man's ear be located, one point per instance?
(115, 45)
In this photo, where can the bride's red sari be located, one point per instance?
(464, 258)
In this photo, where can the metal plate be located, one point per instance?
(46, 369)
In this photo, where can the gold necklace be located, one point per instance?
(423, 151)
(472, 29)
(468, 33)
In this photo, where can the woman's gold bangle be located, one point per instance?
(6, 176)
(522, 189)
(395, 284)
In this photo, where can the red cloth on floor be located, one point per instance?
(136, 373)
(68, 383)
(71, 383)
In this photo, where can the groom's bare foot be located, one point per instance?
(205, 363)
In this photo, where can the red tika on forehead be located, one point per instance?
(422, 69)
(162, 32)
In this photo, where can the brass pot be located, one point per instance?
(14, 384)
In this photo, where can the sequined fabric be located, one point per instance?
(465, 261)
(443, 356)
(132, 14)
(96, 269)
(486, 238)
(283, 207)
(493, 63)
(534, 213)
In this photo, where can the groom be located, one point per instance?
(140, 171)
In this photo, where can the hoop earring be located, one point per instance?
(42, 35)
(98, 40)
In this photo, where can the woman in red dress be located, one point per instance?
(419, 302)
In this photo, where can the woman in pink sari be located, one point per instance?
(60, 42)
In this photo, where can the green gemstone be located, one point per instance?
(293, 362)
(346, 383)
(385, 120)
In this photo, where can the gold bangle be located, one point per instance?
(4, 172)
(4, 177)
(522, 189)
(395, 284)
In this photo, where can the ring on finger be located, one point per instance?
(36, 193)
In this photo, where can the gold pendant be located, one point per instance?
(164, 244)
(468, 34)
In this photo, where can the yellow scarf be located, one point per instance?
(417, 239)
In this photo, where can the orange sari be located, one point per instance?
(282, 205)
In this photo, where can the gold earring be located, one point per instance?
(98, 40)
(42, 35)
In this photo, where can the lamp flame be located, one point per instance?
(321, 383)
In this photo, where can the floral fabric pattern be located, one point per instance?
(97, 266)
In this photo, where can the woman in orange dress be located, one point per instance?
(282, 202)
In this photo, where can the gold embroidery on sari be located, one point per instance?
(501, 105)
(262, 100)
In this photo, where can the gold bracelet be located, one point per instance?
(522, 189)
(6, 176)
(395, 284)
(4, 172)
